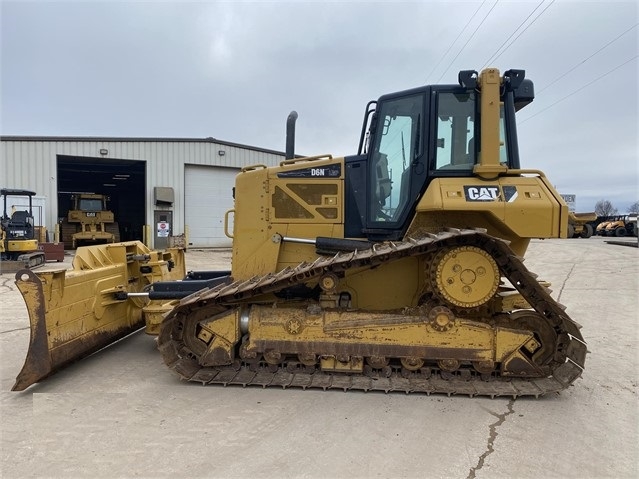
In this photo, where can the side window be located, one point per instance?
(456, 132)
(396, 145)
(503, 148)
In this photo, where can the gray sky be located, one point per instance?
(234, 70)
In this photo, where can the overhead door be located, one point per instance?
(208, 195)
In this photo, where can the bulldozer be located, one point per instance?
(18, 244)
(399, 268)
(89, 221)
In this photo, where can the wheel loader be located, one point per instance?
(620, 226)
(399, 268)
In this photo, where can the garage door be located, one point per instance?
(208, 195)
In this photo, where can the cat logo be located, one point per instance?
(481, 193)
(491, 193)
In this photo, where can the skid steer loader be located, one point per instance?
(395, 269)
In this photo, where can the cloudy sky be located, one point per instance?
(234, 70)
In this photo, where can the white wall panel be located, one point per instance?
(208, 194)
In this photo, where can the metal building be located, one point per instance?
(183, 184)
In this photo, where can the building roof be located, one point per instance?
(210, 139)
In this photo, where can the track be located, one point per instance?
(566, 366)
(27, 260)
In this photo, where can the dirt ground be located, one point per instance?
(121, 413)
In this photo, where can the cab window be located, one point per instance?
(503, 148)
(89, 204)
(456, 132)
(397, 144)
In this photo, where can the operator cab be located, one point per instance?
(410, 137)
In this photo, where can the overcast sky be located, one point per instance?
(234, 70)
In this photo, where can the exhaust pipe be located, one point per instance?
(290, 135)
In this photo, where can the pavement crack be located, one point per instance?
(492, 437)
(563, 285)
(6, 284)
(13, 330)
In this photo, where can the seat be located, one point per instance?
(19, 218)
(21, 222)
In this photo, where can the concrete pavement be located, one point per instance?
(121, 413)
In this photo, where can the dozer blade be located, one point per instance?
(74, 313)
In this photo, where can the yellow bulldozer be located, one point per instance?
(395, 269)
(89, 221)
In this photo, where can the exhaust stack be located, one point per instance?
(290, 135)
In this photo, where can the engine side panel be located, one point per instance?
(515, 208)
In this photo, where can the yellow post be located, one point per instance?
(146, 235)
(490, 85)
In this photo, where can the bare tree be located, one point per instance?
(605, 208)
(634, 208)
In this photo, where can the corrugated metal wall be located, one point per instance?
(30, 163)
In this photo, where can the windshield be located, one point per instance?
(396, 146)
(87, 204)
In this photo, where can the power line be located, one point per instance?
(522, 32)
(511, 35)
(586, 59)
(578, 90)
(454, 41)
(468, 41)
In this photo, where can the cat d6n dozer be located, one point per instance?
(396, 269)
